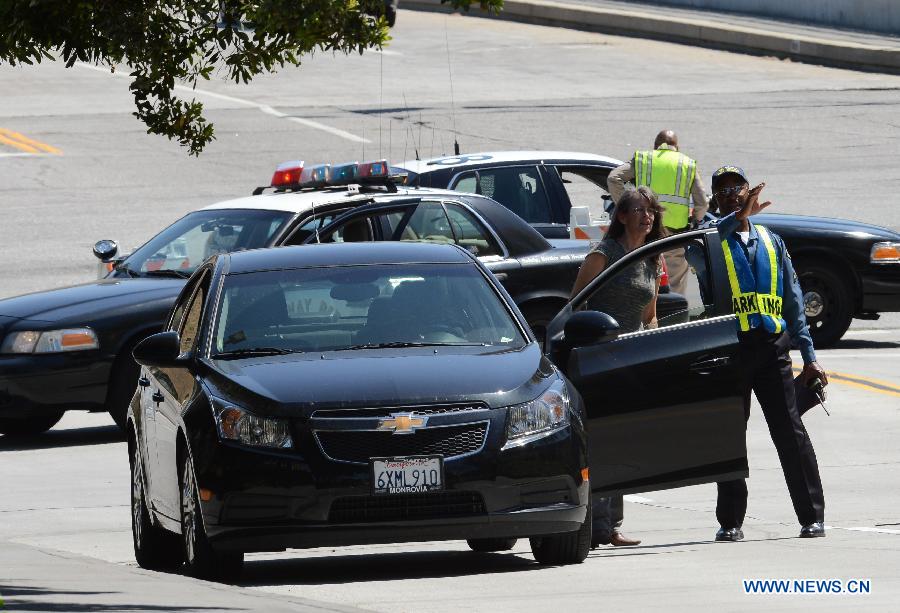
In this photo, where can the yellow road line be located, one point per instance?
(865, 383)
(22, 142)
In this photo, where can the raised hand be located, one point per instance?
(752, 205)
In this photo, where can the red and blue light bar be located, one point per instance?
(296, 175)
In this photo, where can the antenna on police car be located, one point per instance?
(452, 105)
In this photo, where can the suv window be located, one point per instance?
(518, 188)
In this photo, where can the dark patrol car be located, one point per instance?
(246, 436)
(70, 348)
(847, 269)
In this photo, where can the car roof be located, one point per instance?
(494, 157)
(345, 254)
(305, 200)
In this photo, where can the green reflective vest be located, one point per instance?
(670, 175)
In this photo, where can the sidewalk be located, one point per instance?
(747, 34)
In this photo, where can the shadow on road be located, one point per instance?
(98, 435)
(858, 343)
(339, 569)
(31, 599)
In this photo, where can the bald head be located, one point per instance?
(668, 137)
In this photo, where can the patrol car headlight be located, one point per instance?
(885, 253)
(50, 341)
(236, 424)
(542, 416)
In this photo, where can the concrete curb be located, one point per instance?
(692, 31)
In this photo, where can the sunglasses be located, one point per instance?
(727, 191)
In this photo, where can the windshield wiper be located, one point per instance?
(255, 352)
(167, 272)
(401, 344)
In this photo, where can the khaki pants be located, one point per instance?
(677, 267)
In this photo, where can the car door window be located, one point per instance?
(628, 290)
(586, 188)
(469, 232)
(518, 188)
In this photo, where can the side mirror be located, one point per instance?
(589, 328)
(162, 350)
(105, 250)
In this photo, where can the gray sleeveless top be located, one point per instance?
(626, 295)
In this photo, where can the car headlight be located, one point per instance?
(542, 416)
(50, 341)
(885, 253)
(236, 424)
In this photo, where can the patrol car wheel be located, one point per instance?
(489, 545)
(827, 303)
(539, 317)
(11, 426)
(122, 385)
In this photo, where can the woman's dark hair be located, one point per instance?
(633, 198)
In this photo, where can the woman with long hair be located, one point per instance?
(630, 298)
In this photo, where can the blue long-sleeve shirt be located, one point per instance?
(792, 301)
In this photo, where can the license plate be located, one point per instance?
(407, 475)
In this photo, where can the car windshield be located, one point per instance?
(182, 247)
(359, 307)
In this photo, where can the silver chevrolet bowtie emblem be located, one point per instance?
(401, 423)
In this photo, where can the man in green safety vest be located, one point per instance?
(674, 178)
(768, 303)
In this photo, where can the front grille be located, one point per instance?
(400, 507)
(361, 445)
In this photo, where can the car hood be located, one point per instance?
(798, 223)
(88, 300)
(296, 385)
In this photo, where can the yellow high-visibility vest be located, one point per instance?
(670, 175)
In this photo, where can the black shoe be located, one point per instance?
(812, 530)
(730, 534)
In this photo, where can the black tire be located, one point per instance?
(122, 385)
(29, 426)
(201, 559)
(390, 13)
(539, 315)
(155, 548)
(492, 544)
(567, 548)
(827, 300)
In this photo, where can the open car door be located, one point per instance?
(663, 408)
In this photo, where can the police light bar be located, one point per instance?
(296, 175)
(287, 174)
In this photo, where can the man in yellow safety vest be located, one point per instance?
(674, 178)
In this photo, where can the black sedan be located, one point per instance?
(69, 348)
(847, 269)
(353, 394)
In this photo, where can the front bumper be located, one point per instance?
(36, 383)
(271, 501)
(881, 288)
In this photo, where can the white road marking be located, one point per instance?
(639, 499)
(853, 333)
(865, 529)
(23, 155)
(861, 354)
(264, 108)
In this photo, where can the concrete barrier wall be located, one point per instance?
(873, 15)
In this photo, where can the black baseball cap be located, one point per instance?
(728, 170)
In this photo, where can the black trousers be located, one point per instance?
(767, 372)
(608, 514)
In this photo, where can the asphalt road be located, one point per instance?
(824, 140)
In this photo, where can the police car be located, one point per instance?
(69, 348)
(847, 269)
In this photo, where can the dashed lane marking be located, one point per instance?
(264, 108)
